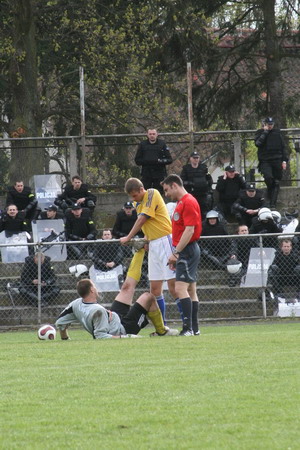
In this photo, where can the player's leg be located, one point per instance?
(159, 252)
(186, 272)
(192, 290)
(133, 276)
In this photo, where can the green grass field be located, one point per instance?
(234, 387)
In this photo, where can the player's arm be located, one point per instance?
(142, 218)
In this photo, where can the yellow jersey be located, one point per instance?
(159, 223)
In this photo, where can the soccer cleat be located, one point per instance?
(197, 333)
(186, 332)
(168, 332)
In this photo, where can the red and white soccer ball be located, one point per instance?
(47, 332)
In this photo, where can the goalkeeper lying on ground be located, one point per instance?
(124, 319)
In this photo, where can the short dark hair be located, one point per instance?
(171, 179)
(84, 287)
(76, 177)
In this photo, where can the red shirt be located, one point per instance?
(187, 214)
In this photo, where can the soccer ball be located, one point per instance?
(47, 332)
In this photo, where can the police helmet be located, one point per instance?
(78, 270)
(212, 214)
(276, 216)
(265, 214)
(233, 266)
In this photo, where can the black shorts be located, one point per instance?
(133, 318)
(187, 263)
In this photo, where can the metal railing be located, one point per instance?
(246, 288)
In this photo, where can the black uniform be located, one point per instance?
(59, 215)
(14, 225)
(71, 195)
(24, 201)
(198, 182)
(265, 227)
(79, 229)
(284, 271)
(243, 203)
(104, 252)
(153, 158)
(229, 191)
(30, 272)
(215, 251)
(123, 223)
(271, 153)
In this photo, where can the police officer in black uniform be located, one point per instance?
(79, 227)
(23, 198)
(13, 221)
(229, 186)
(272, 157)
(76, 192)
(51, 213)
(153, 155)
(29, 279)
(198, 182)
(248, 204)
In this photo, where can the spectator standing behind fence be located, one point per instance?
(30, 280)
(186, 231)
(229, 186)
(13, 221)
(79, 227)
(107, 255)
(248, 204)
(76, 192)
(153, 156)
(284, 270)
(272, 157)
(198, 182)
(215, 252)
(23, 198)
(51, 213)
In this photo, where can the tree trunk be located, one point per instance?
(26, 158)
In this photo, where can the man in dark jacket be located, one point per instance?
(284, 270)
(79, 227)
(30, 281)
(76, 192)
(272, 157)
(51, 213)
(153, 155)
(265, 223)
(229, 186)
(248, 204)
(215, 252)
(13, 221)
(23, 198)
(198, 182)
(107, 255)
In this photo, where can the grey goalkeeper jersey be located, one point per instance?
(97, 320)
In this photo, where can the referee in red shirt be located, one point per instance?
(186, 230)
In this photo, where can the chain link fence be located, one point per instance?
(239, 277)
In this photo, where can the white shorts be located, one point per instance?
(159, 252)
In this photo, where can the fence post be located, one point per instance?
(39, 284)
(73, 158)
(263, 282)
(237, 146)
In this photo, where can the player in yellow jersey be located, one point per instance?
(154, 220)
